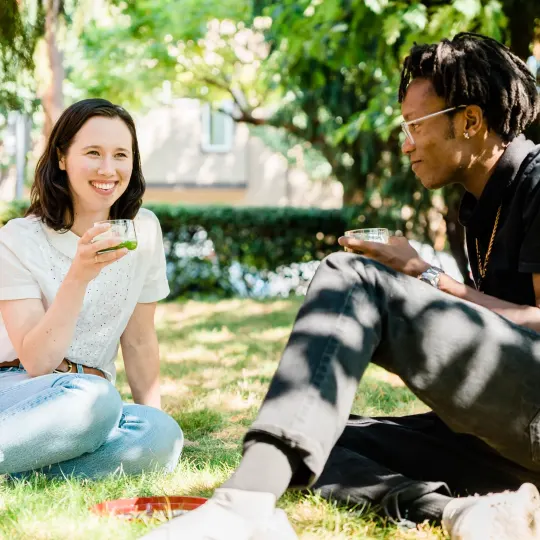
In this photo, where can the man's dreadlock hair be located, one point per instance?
(473, 69)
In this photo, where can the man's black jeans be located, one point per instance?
(479, 373)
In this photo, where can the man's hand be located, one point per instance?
(397, 254)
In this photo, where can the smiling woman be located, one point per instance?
(92, 150)
(67, 302)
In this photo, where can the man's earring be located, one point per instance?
(466, 135)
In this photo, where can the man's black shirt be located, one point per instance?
(515, 256)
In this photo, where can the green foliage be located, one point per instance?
(12, 210)
(328, 71)
(161, 41)
(225, 251)
(20, 26)
(341, 61)
(207, 246)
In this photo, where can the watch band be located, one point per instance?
(431, 276)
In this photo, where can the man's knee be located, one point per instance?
(359, 266)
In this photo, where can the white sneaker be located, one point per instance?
(278, 528)
(218, 519)
(512, 515)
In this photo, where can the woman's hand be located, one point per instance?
(88, 263)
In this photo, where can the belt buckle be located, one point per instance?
(71, 367)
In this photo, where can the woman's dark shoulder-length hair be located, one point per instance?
(50, 196)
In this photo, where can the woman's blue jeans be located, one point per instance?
(76, 425)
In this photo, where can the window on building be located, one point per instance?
(217, 128)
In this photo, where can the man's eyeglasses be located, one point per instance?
(405, 125)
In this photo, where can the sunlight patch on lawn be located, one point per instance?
(315, 518)
(190, 311)
(233, 401)
(222, 335)
(382, 375)
(196, 353)
(272, 334)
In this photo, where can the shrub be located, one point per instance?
(250, 251)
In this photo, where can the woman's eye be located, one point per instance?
(413, 127)
(121, 155)
(93, 153)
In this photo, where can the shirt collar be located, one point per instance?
(478, 215)
(65, 242)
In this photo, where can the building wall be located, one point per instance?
(178, 170)
(170, 141)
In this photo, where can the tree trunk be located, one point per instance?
(53, 96)
(456, 236)
(521, 20)
(533, 131)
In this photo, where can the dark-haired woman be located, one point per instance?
(66, 307)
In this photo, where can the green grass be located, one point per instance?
(217, 361)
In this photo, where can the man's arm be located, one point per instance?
(400, 255)
(140, 351)
(528, 316)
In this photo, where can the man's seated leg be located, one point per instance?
(392, 465)
(410, 468)
(464, 361)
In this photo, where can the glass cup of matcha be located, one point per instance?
(123, 229)
(370, 235)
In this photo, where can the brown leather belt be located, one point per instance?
(67, 366)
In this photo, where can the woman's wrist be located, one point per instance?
(75, 280)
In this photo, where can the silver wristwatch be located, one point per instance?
(431, 276)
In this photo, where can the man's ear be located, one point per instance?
(474, 120)
(61, 160)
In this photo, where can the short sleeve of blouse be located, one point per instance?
(156, 285)
(16, 281)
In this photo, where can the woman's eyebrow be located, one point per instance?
(97, 146)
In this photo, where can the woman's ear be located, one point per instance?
(61, 160)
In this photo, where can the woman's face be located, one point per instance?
(99, 164)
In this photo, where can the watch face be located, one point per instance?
(431, 276)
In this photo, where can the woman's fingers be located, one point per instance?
(110, 256)
(94, 231)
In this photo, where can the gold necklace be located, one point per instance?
(482, 267)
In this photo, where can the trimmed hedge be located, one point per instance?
(226, 251)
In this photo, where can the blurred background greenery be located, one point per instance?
(316, 80)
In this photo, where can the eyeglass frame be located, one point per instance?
(405, 125)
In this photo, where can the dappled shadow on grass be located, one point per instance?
(199, 423)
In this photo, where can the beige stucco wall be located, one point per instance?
(177, 170)
(170, 143)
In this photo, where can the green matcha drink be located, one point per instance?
(121, 229)
(129, 244)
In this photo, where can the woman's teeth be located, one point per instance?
(104, 187)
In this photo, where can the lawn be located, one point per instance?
(217, 361)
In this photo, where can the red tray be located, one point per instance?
(139, 507)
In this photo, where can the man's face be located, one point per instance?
(437, 156)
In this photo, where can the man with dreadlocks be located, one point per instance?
(472, 355)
